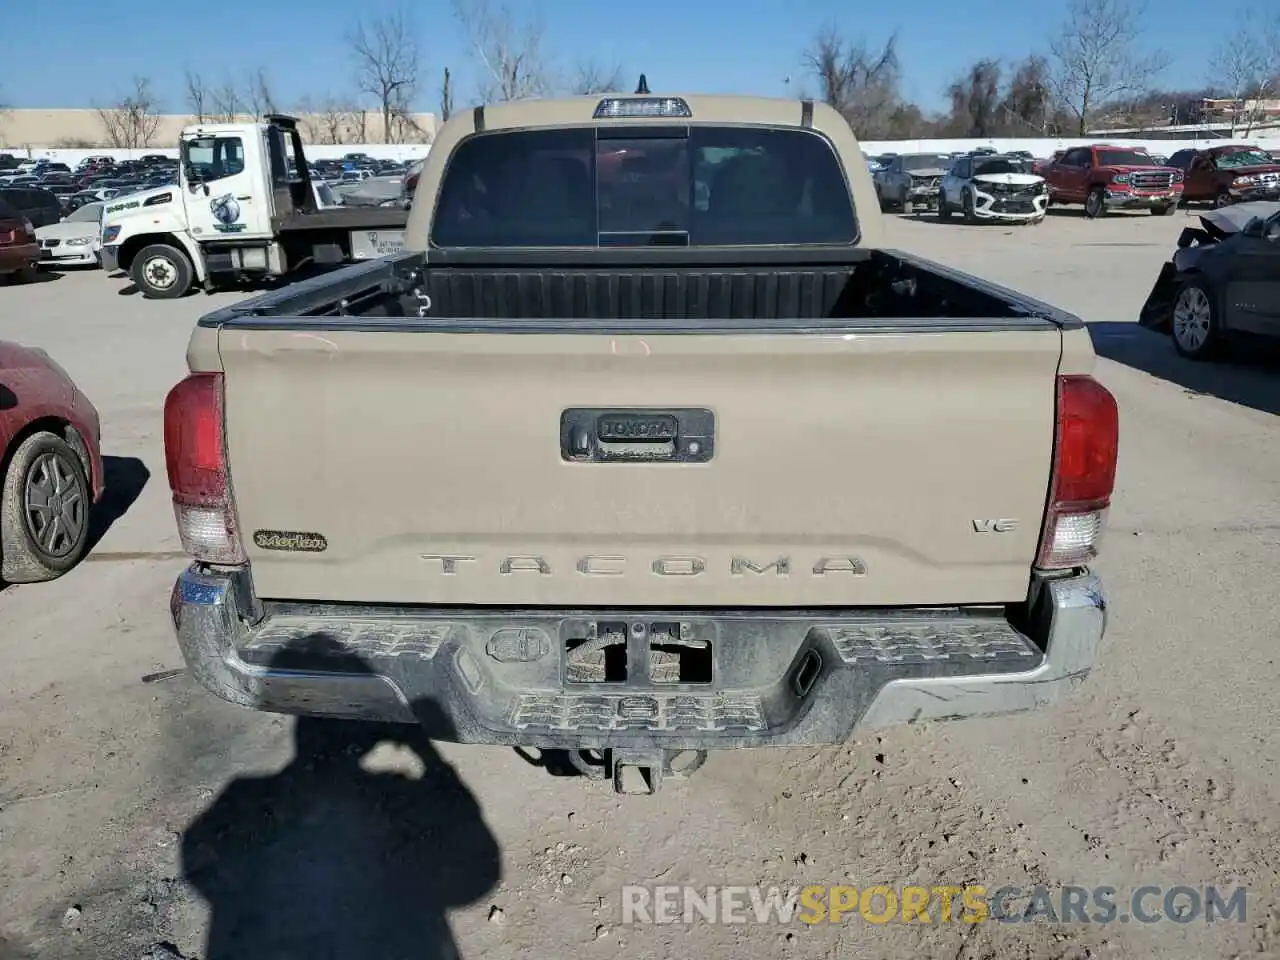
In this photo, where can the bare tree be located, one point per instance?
(198, 96)
(258, 94)
(355, 123)
(1027, 106)
(405, 127)
(446, 96)
(133, 121)
(1247, 68)
(1097, 58)
(385, 51)
(507, 50)
(324, 121)
(975, 101)
(227, 104)
(862, 83)
(591, 77)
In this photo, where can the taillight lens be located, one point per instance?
(195, 457)
(1085, 450)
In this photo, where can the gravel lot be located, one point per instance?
(139, 817)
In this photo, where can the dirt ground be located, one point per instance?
(140, 818)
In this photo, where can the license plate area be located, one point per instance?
(639, 653)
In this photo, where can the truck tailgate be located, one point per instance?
(846, 469)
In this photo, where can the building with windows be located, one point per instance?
(1243, 111)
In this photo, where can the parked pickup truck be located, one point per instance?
(1106, 178)
(1226, 175)
(645, 446)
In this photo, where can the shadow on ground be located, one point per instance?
(40, 276)
(330, 858)
(1245, 375)
(1076, 212)
(124, 478)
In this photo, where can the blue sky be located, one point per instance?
(84, 51)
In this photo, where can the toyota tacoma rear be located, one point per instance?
(645, 446)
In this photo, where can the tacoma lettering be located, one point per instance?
(673, 566)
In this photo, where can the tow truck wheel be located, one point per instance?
(1164, 210)
(944, 208)
(1195, 322)
(162, 272)
(967, 204)
(1095, 204)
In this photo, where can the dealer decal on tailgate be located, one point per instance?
(290, 540)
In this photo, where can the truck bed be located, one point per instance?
(344, 218)
(855, 420)
(784, 290)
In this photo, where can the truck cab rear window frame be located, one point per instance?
(637, 187)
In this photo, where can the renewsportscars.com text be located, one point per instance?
(943, 903)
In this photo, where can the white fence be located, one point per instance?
(1045, 147)
(380, 151)
(413, 151)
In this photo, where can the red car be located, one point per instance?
(50, 466)
(19, 249)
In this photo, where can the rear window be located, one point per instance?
(708, 186)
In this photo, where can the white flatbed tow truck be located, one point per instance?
(240, 212)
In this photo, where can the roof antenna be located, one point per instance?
(643, 87)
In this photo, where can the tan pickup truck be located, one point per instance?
(646, 446)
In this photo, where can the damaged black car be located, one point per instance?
(1223, 282)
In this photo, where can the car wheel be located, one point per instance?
(967, 205)
(944, 211)
(1095, 204)
(44, 510)
(162, 272)
(1222, 199)
(1194, 322)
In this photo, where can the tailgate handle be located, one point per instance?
(592, 435)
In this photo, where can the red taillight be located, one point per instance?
(195, 457)
(1084, 473)
(1084, 467)
(193, 440)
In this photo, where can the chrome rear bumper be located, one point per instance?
(501, 676)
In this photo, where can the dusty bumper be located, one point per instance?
(1002, 208)
(72, 260)
(500, 677)
(1266, 191)
(1123, 199)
